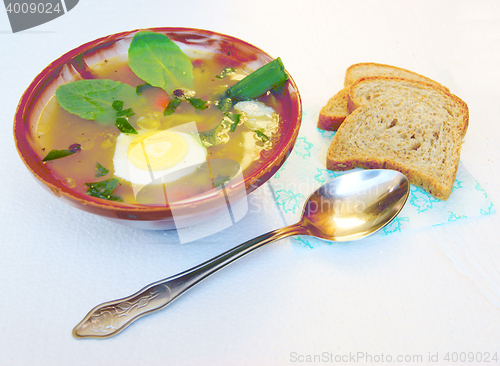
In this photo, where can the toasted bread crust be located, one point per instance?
(367, 69)
(334, 112)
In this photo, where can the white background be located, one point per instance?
(423, 292)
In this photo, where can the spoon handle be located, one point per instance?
(112, 317)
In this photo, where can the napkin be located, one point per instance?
(305, 171)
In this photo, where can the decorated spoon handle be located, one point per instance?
(112, 317)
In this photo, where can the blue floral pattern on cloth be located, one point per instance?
(289, 201)
(305, 171)
(303, 147)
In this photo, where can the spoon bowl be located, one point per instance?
(349, 207)
(355, 205)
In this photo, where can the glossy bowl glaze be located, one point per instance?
(75, 65)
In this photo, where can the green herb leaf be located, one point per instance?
(126, 112)
(235, 118)
(218, 134)
(172, 106)
(100, 171)
(124, 126)
(262, 136)
(140, 88)
(225, 104)
(94, 99)
(104, 189)
(225, 72)
(259, 82)
(159, 61)
(117, 105)
(58, 154)
(198, 103)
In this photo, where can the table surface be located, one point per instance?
(423, 294)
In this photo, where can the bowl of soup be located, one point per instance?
(158, 128)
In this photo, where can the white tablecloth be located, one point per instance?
(424, 294)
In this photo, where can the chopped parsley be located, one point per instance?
(58, 154)
(172, 106)
(104, 189)
(225, 72)
(100, 171)
(261, 135)
(122, 117)
(123, 125)
(198, 103)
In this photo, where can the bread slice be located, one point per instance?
(406, 125)
(366, 69)
(335, 111)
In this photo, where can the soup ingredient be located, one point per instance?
(93, 99)
(263, 137)
(118, 107)
(122, 124)
(104, 189)
(257, 114)
(184, 95)
(58, 154)
(258, 117)
(154, 154)
(259, 82)
(219, 134)
(159, 61)
(100, 171)
(122, 117)
(406, 125)
(225, 72)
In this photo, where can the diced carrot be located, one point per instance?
(161, 100)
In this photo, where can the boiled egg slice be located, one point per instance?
(143, 158)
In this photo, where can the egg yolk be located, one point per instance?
(157, 150)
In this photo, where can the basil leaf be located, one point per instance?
(104, 189)
(225, 72)
(172, 106)
(100, 171)
(159, 61)
(93, 99)
(124, 126)
(198, 103)
(58, 154)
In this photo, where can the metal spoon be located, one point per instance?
(349, 207)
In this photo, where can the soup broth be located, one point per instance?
(99, 143)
